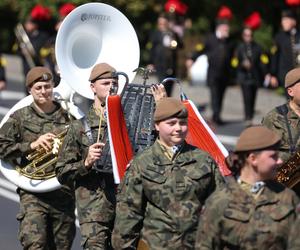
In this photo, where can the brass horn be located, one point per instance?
(41, 162)
(94, 33)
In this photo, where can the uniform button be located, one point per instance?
(245, 210)
(176, 167)
(227, 213)
(257, 216)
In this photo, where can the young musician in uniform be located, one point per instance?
(253, 211)
(80, 165)
(285, 119)
(47, 220)
(161, 196)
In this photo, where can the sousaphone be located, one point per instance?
(94, 33)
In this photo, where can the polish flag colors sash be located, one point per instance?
(200, 135)
(120, 145)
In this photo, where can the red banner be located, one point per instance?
(200, 135)
(120, 145)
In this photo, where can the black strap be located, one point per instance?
(283, 110)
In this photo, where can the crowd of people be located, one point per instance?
(173, 195)
(245, 63)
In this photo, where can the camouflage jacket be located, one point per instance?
(276, 121)
(70, 169)
(234, 219)
(70, 166)
(294, 239)
(159, 199)
(25, 126)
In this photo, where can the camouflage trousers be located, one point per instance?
(95, 202)
(47, 220)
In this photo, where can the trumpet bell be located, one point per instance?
(94, 33)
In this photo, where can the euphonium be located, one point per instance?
(41, 161)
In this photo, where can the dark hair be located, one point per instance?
(236, 160)
(182, 114)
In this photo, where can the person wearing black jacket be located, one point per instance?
(164, 44)
(219, 50)
(286, 49)
(251, 69)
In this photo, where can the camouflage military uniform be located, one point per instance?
(235, 219)
(160, 199)
(94, 190)
(294, 239)
(276, 122)
(47, 220)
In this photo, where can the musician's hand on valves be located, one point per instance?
(44, 141)
(94, 154)
(158, 91)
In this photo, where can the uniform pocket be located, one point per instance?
(237, 212)
(34, 128)
(196, 173)
(154, 174)
(278, 213)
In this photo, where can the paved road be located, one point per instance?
(232, 114)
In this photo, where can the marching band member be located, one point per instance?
(47, 220)
(165, 186)
(284, 119)
(253, 211)
(94, 189)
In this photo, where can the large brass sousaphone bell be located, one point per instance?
(94, 33)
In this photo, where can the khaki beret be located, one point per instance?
(38, 74)
(292, 77)
(256, 138)
(102, 71)
(169, 107)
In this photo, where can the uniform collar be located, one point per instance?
(55, 115)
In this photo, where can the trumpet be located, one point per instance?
(41, 161)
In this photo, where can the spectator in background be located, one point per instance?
(286, 50)
(219, 51)
(48, 49)
(251, 66)
(30, 50)
(164, 44)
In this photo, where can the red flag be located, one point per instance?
(200, 135)
(120, 145)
